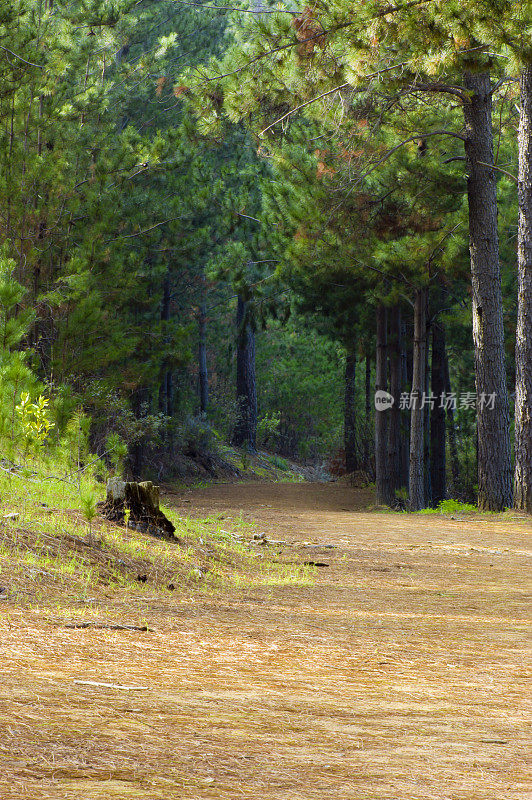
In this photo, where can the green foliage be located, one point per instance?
(73, 448)
(88, 507)
(450, 507)
(34, 420)
(268, 428)
(116, 450)
(198, 436)
(301, 383)
(21, 422)
(136, 203)
(279, 463)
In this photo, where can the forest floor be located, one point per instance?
(397, 672)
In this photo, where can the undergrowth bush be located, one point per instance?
(268, 429)
(198, 437)
(44, 439)
(450, 507)
(279, 463)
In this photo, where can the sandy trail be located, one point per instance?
(402, 674)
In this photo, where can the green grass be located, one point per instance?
(49, 547)
(279, 463)
(450, 507)
(269, 574)
(291, 477)
(42, 486)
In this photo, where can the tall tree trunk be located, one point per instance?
(137, 451)
(202, 359)
(383, 473)
(405, 418)
(451, 430)
(169, 387)
(523, 345)
(426, 425)
(416, 483)
(494, 460)
(394, 414)
(165, 389)
(437, 417)
(367, 431)
(245, 432)
(350, 431)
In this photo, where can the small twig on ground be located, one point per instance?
(108, 626)
(112, 686)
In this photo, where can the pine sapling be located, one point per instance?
(88, 507)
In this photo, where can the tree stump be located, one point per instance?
(142, 501)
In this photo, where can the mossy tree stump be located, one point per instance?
(142, 502)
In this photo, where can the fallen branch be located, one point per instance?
(112, 686)
(107, 626)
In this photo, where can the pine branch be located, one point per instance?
(438, 88)
(502, 81)
(499, 169)
(146, 230)
(298, 42)
(331, 91)
(413, 139)
(240, 10)
(29, 63)
(303, 105)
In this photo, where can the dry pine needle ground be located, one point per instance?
(399, 673)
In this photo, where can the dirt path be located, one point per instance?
(401, 674)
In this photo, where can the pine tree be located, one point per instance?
(108, 195)
(507, 26)
(16, 375)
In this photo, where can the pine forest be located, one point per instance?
(266, 263)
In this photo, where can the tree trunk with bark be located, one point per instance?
(523, 345)
(166, 385)
(137, 451)
(494, 461)
(416, 483)
(350, 431)
(438, 469)
(451, 430)
(202, 359)
(394, 414)
(405, 418)
(383, 475)
(169, 388)
(245, 433)
(426, 424)
(367, 428)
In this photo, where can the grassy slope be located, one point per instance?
(48, 550)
